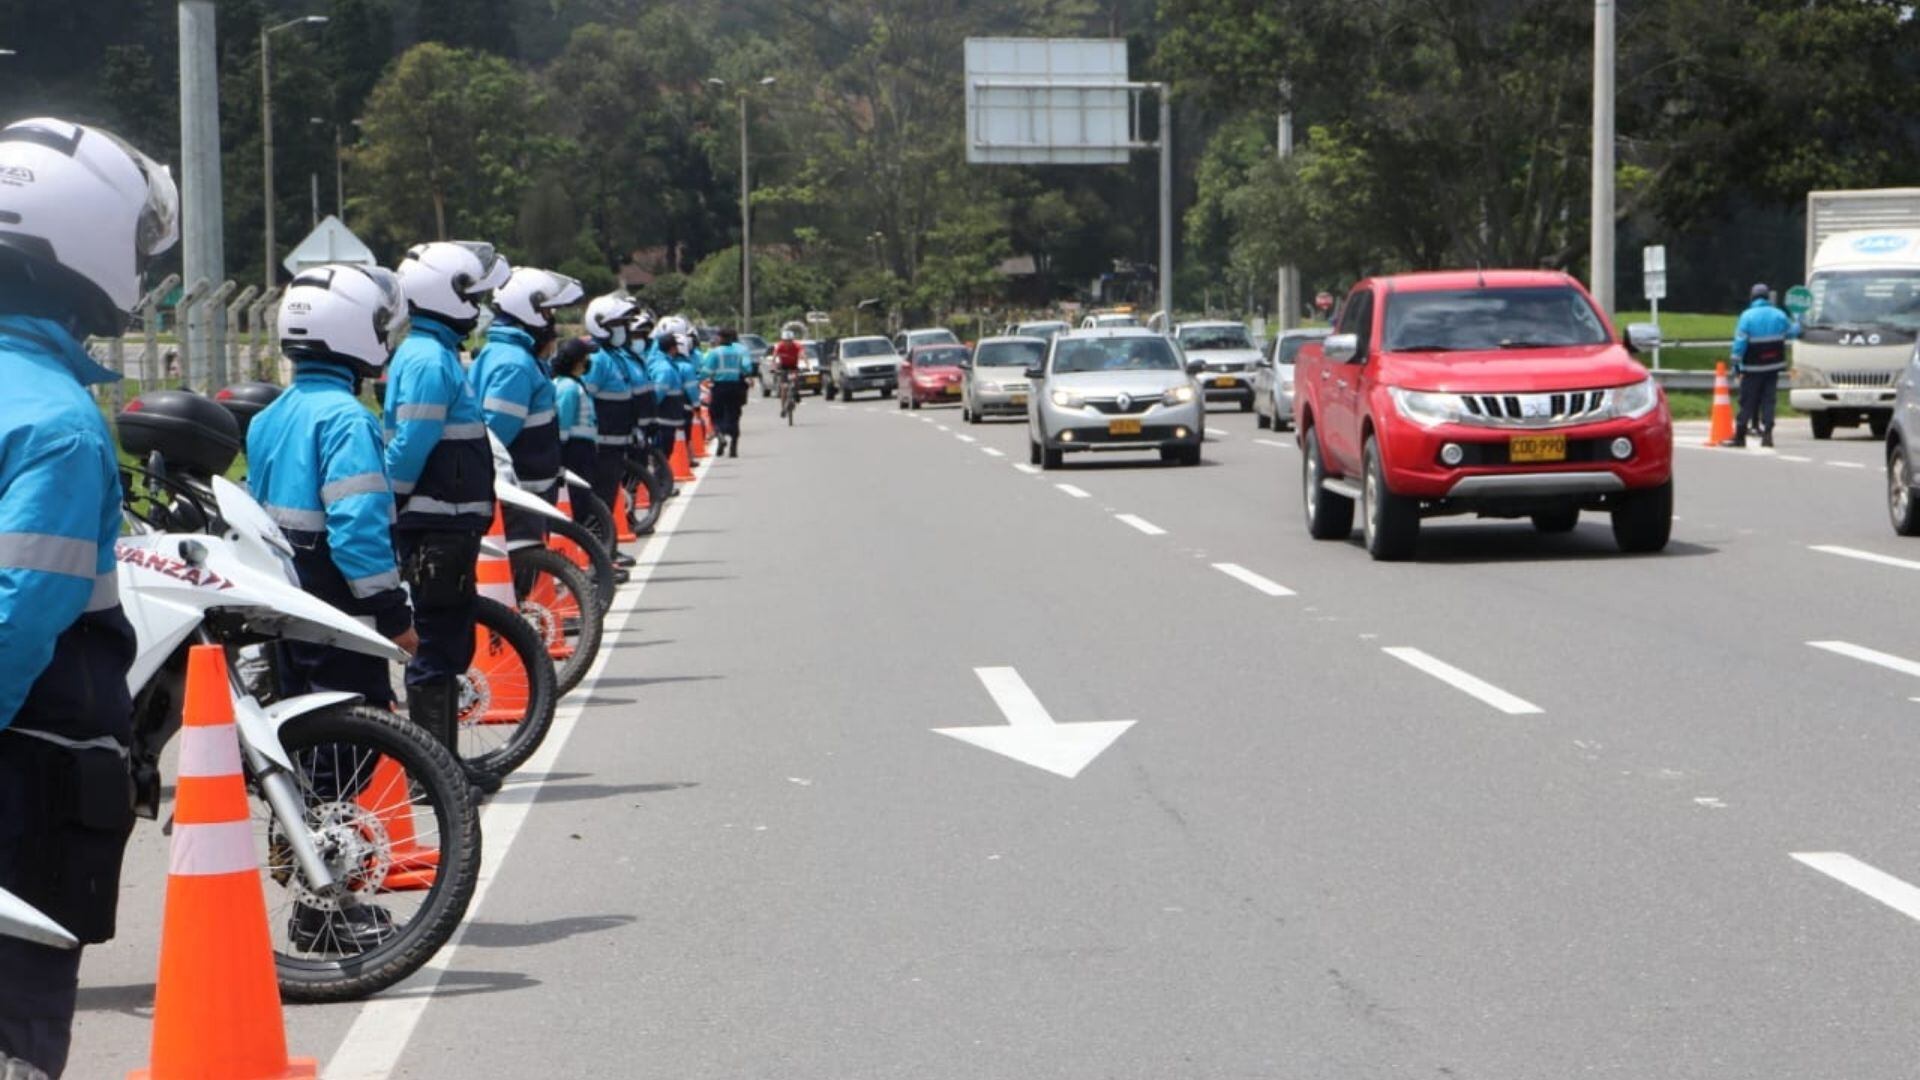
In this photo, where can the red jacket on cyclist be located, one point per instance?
(787, 352)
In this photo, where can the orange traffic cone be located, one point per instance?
(622, 516)
(493, 574)
(1722, 428)
(388, 798)
(682, 468)
(216, 1011)
(697, 433)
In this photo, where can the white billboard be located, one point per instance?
(1049, 101)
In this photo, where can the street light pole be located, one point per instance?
(746, 228)
(266, 127)
(1287, 297)
(1601, 244)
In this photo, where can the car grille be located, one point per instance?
(1112, 407)
(1860, 380)
(1227, 367)
(1536, 410)
(1578, 451)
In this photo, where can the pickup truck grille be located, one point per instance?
(1536, 410)
(1860, 380)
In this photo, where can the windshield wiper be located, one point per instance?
(1426, 346)
(1533, 344)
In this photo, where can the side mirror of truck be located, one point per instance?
(1642, 337)
(1036, 373)
(1341, 348)
(1196, 367)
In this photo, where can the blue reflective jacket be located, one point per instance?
(316, 462)
(726, 364)
(608, 380)
(689, 369)
(579, 432)
(65, 646)
(437, 452)
(667, 391)
(516, 400)
(1765, 326)
(646, 396)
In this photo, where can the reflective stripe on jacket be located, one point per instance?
(612, 388)
(726, 364)
(437, 453)
(671, 397)
(1760, 337)
(317, 464)
(65, 646)
(517, 403)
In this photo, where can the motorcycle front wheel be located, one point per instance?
(393, 817)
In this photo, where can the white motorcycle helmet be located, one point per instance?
(607, 318)
(531, 296)
(675, 326)
(81, 214)
(343, 314)
(449, 280)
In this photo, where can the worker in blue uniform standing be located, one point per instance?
(1759, 356)
(516, 390)
(442, 472)
(316, 462)
(573, 409)
(670, 395)
(608, 321)
(726, 367)
(81, 213)
(686, 361)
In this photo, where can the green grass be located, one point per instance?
(1684, 326)
(1698, 405)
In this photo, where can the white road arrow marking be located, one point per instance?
(1031, 735)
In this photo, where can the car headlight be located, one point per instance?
(1811, 378)
(992, 387)
(1427, 409)
(1066, 399)
(1179, 395)
(1637, 399)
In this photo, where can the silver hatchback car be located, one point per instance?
(1124, 388)
(995, 381)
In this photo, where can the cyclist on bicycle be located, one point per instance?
(786, 354)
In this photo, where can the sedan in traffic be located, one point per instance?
(1115, 389)
(932, 374)
(995, 383)
(1273, 379)
(1229, 356)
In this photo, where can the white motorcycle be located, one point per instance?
(367, 831)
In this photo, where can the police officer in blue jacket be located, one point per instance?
(646, 396)
(726, 366)
(573, 406)
(669, 394)
(80, 215)
(442, 471)
(516, 389)
(608, 321)
(317, 464)
(1759, 356)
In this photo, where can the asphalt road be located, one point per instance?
(1523, 808)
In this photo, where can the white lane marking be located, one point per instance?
(1275, 442)
(1031, 735)
(1870, 656)
(1846, 464)
(1217, 433)
(1864, 556)
(1030, 470)
(943, 427)
(1795, 458)
(1073, 491)
(1877, 883)
(1142, 524)
(992, 452)
(1463, 682)
(966, 438)
(380, 1032)
(1242, 574)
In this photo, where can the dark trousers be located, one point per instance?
(443, 611)
(1759, 390)
(728, 399)
(610, 465)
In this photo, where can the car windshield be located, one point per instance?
(869, 347)
(810, 350)
(1115, 354)
(1018, 354)
(1214, 337)
(1115, 320)
(933, 337)
(1865, 298)
(1455, 320)
(1040, 329)
(754, 342)
(939, 357)
(1290, 347)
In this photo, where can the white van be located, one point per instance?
(1860, 332)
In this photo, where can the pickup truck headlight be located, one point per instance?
(1427, 409)
(1179, 395)
(1636, 400)
(1066, 399)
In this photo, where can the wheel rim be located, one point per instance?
(1369, 494)
(1312, 484)
(1902, 492)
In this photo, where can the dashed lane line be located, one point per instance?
(1142, 524)
(1030, 470)
(1073, 491)
(1869, 656)
(1871, 880)
(966, 438)
(1242, 574)
(991, 452)
(1846, 464)
(1864, 556)
(1471, 685)
(1275, 442)
(1797, 459)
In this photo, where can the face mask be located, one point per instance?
(617, 335)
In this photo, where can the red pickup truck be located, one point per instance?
(1497, 393)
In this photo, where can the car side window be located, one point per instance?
(1357, 319)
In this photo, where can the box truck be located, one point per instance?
(1863, 269)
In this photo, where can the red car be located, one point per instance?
(1497, 393)
(932, 374)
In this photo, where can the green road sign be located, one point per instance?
(1799, 299)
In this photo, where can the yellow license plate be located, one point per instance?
(1536, 448)
(1017, 399)
(1225, 380)
(1123, 427)
(952, 390)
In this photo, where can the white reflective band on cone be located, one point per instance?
(206, 850)
(209, 751)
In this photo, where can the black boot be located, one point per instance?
(733, 446)
(1766, 438)
(436, 707)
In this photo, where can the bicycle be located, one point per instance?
(789, 394)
